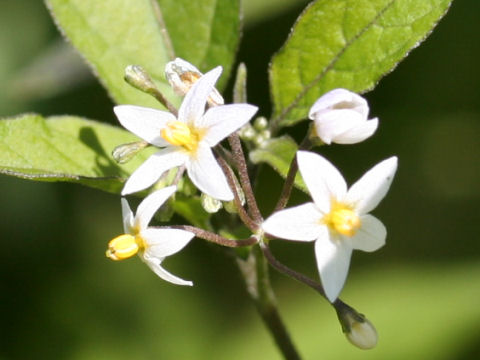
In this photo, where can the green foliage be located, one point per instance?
(205, 33)
(190, 208)
(278, 153)
(64, 148)
(112, 34)
(345, 43)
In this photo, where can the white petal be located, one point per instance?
(339, 99)
(323, 180)
(144, 122)
(149, 172)
(154, 264)
(331, 124)
(372, 187)
(221, 121)
(207, 175)
(193, 105)
(300, 223)
(149, 206)
(127, 215)
(165, 242)
(358, 133)
(333, 261)
(371, 235)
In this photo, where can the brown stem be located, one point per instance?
(215, 238)
(290, 179)
(290, 272)
(241, 165)
(163, 100)
(253, 226)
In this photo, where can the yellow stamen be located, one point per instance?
(343, 219)
(123, 246)
(178, 133)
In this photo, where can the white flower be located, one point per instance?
(187, 140)
(337, 220)
(182, 75)
(340, 116)
(153, 245)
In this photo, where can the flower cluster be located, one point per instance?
(337, 220)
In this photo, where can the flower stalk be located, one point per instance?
(257, 281)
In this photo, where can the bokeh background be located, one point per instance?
(62, 299)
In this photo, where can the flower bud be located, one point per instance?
(341, 116)
(182, 75)
(260, 123)
(358, 330)
(125, 152)
(210, 204)
(136, 76)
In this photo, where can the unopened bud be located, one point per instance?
(210, 204)
(260, 123)
(136, 76)
(358, 330)
(247, 132)
(125, 152)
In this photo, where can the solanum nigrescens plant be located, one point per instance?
(187, 152)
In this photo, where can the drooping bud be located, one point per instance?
(358, 330)
(182, 75)
(125, 152)
(210, 204)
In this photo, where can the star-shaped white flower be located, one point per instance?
(187, 140)
(153, 245)
(337, 219)
(341, 117)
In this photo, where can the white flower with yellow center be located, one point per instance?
(153, 245)
(341, 117)
(187, 140)
(337, 219)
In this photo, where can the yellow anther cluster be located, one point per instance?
(343, 220)
(178, 133)
(123, 246)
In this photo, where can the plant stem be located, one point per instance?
(290, 179)
(215, 238)
(241, 165)
(277, 265)
(257, 280)
(252, 225)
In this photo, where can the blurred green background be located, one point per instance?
(62, 299)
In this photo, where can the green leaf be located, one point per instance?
(191, 209)
(206, 33)
(65, 148)
(279, 153)
(112, 34)
(345, 43)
